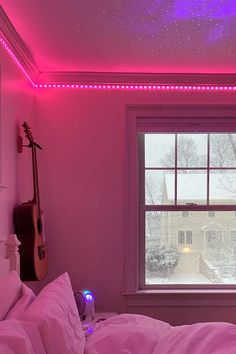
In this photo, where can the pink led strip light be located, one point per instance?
(6, 46)
(112, 86)
(139, 87)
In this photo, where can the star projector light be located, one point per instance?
(85, 303)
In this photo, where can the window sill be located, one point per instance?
(181, 298)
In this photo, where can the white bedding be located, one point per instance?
(137, 334)
(49, 323)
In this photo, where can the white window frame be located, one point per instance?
(142, 119)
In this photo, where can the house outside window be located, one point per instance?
(181, 170)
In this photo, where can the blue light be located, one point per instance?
(88, 295)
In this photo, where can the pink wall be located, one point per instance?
(82, 179)
(17, 104)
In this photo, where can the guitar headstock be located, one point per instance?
(28, 133)
(29, 136)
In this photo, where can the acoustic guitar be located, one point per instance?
(28, 219)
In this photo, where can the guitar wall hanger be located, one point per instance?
(20, 144)
(30, 145)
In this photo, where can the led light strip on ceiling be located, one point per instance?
(139, 87)
(6, 46)
(114, 86)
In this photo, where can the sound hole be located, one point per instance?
(41, 252)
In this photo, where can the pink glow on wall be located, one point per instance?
(10, 52)
(114, 86)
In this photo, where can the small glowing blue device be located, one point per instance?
(88, 295)
(85, 303)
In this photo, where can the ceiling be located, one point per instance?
(145, 36)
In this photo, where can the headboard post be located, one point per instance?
(12, 253)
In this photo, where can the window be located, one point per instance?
(181, 237)
(189, 237)
(214, 239)
(188, 171)
(185, 237)
(185, 165)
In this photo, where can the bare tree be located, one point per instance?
(223, 154)
(153, 196)
(232, 140)
(187, 154)
(223, 150)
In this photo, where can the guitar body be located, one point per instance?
(33, 248)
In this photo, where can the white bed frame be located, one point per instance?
(9, 257)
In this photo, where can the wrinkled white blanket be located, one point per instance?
(138, 334)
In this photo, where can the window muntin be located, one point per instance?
(196, 184)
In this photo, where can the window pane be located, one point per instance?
(193, 250)
(189, 237)
(181, 237)
(191, 187)
(159, 187)
(222, 188)
(223, 150)
(191, 150)
(159, 150)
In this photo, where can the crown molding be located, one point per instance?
(17, 45)
(137, 78)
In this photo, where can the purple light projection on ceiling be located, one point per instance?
(162, 36)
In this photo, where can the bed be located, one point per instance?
(49, 323)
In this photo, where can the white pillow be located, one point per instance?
(14, 339)
(10, 290)
(27, 297)
(33, 334)
(55, 312)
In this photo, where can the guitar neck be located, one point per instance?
(36, 198)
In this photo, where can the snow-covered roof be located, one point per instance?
(193, 186)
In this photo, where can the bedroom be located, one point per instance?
(82, 167)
